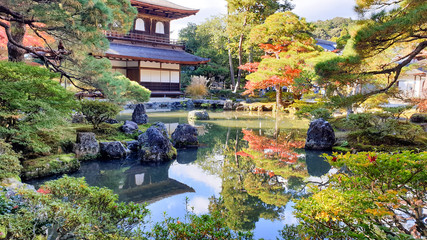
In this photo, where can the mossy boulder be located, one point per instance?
(86, 145)
(155, 147)
(49, 166)
(185, 135)
(114, 150)
(198, 115)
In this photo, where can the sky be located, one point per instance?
(312, 10)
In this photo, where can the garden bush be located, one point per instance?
(368, 199)
(34, 108)
(96, 112)
(311, 110)
(10, 165)
(70, 209)
(197, 89)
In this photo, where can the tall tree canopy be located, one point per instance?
(78, 29)
(378, 51)
(208, 40)
(242, 16)
(287, 42)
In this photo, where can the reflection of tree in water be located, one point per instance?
(259, 180)
(243, 210)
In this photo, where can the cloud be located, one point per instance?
(312, 10)
(199, 205)
(196, 173)
(208, 8)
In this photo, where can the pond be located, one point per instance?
(250, 165)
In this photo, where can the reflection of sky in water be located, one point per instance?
(204, 184)
(189, 173)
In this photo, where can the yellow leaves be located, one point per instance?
(380, 212)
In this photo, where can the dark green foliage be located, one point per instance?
(321, 113)
(419, 118)
(332, 28)
(69, 208)
(212, 226)
(33, 106)
(382, 128)
(207, 40)
(96, 112)
(397, 111)
(311, 110)
(115, 87)
(78, 26)
(9, 162)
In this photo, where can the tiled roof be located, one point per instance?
(328, 45)
(153, 54)
(164, 3)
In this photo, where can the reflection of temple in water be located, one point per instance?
(149, 184)
(135, 182)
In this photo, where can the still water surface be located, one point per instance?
(250, 165)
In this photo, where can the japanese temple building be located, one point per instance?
(146, 54)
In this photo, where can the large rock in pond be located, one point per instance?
(185, 135)
(133, 145)
(320, 135)
(114, 150)
(155, 147)
(129, 127)
(139, 116)
(86, 145)
(198, 115)
(162, 128)
(228, 105)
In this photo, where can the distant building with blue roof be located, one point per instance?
(327, 45)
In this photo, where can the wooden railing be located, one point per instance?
(131, 36)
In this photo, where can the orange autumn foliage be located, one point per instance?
(280, 148)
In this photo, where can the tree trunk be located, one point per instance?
(239, 73)
(16, 54)
(230, 61)
(349, 111)
(279, 100)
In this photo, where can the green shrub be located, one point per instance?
(360, 120)
(34, 108)
(368, 203)
(96, 112)
(311, 110)
(10, 165)
(212, 226)
(69, 208)
(396, 112)
(321, 113)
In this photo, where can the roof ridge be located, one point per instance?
(166, 3)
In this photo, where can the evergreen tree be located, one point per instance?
(78, 29)
(378, 51)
